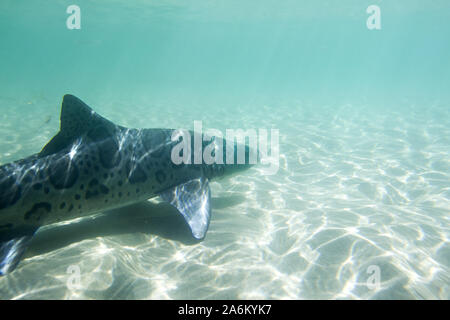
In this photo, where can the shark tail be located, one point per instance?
(12, 247)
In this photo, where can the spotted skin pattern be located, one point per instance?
(91, 165)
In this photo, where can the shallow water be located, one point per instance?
(364, 123)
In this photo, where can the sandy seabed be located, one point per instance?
(358, 189)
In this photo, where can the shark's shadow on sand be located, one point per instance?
(159, 219)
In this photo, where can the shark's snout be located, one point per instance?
(234, 159)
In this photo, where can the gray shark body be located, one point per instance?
(93, 165)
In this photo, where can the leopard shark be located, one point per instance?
(93, 165)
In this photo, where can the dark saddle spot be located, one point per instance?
(10, 191)
(63, 173)
(136, 173)
(38, 211)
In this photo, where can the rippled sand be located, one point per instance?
(357, 187)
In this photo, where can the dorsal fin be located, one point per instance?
(77, 118)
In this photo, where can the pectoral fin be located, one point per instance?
(192, 199)
(12, 249)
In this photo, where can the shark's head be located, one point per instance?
(234, 159)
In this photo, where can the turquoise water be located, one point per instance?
(364, 123)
